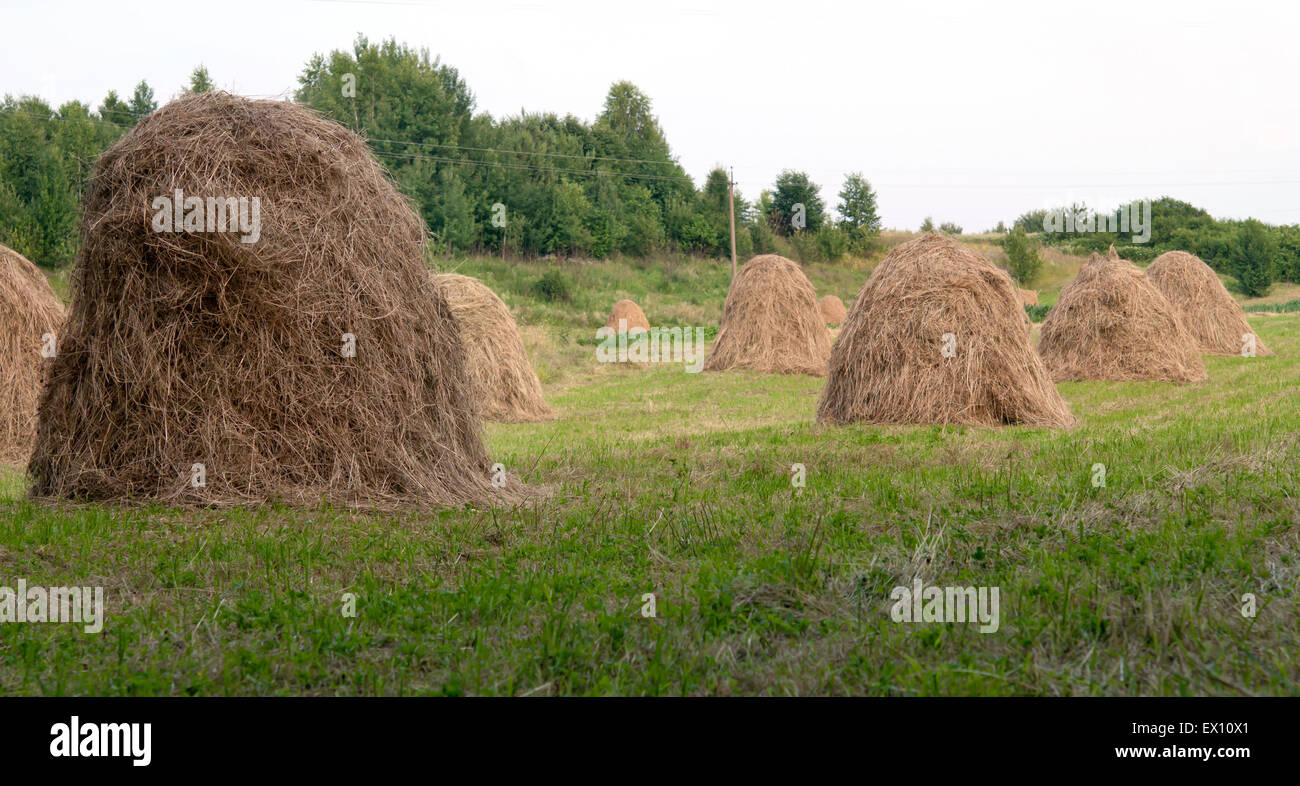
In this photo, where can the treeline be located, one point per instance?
(529, 185)
(1254, 253)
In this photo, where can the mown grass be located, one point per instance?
(654, 480)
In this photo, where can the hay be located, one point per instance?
(771, 322)
(1111, 323)
(506, 388)
(196, 348)
(29, 310)
(832, 308)
(889, 365)
(1028, 297)
(633, 318)
(1209, 313)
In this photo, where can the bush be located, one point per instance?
(1251, 258)
(552, 287)
(1037, 313)
(949, 228)
(1023, 261)
(832, 243)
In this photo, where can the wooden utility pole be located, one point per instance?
(731, 198)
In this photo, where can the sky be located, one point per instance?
(966, 112)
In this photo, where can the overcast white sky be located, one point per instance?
(969, 112)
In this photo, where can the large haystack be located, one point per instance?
(1111, 323)
(937, 336)
(196, 368)
(627, 316)
(29, 312)
(832, 308)
(506, 388)
(771, 322)
(1208, 312)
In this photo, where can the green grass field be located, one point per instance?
(657, 481)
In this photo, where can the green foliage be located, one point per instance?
(45, 163)
(793, 190)
(1251, 258)
(833, 242)
(1023, 261)
(927, 225)
(857, 205)
(552, 287)
(949, 228)
(1038, 312)
(200, 81)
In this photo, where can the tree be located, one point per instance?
(857, 205)
(1251, 257)
(115, 110)
(927, 225)
(1023, 261)
(200, 82)
(142, 102)
(950, 228)
(797, 201)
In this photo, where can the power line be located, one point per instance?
(507, 165)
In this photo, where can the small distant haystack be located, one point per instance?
(29, 311)
(771, 322)
(832, 308)
(304, 357)
(1208, 312)
(937, 336)
(506, 388)
(1029, 297)
(1111, 323)
(627, 316)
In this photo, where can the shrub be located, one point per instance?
(1023, 261)
(552, 287)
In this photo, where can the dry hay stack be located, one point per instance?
(196, 348)
(631, 315)
(1111, 323)
(1029, 297)
(1208, 312)
(771, 322)
(889, 364)
(29, 310)
(832, 308)
(506, 388)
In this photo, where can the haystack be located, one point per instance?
(627, 316)
(29, 312)
(1111, 323)
(1028, 297)
(771, 322)
(1209, 313)
(318, 363)
(506, 388)
(937, 336)
(832, 308)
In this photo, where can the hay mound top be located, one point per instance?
(1209, 313)
(937, 335)
(1111, 323)
(506, 387)
(29, 310)
(631, 316)
(771, 322)
(318, 363)
(832, 308)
